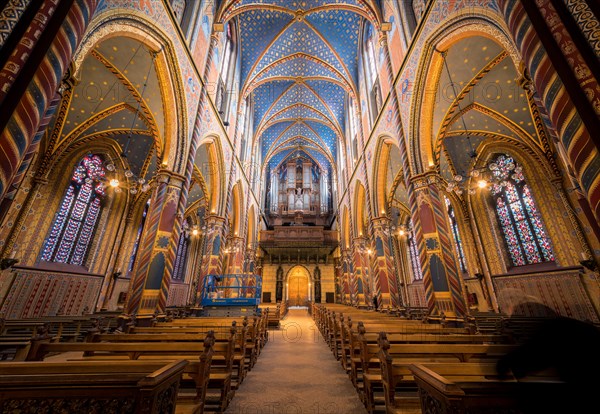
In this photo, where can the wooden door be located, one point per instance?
(298, 290)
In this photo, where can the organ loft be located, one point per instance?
(299, 206)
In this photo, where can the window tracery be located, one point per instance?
(74, 225)
(518, 216)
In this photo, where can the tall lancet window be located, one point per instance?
(74, 225)
(458, 242)
(413, 254)
(519, 218)
(181, 258)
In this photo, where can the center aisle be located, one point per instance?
(296, 374)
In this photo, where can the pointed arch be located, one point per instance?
(136, 25)
(360, 210)
(422, 148)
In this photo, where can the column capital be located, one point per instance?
(215, 220)
(163, 176)
(235, 240)
(381, 221)
(423, 180)
(382, 224)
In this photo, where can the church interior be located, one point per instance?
(307, 206)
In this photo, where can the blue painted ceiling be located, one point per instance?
(299, 62)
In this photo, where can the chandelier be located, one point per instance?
(134, 183)
(494, 174)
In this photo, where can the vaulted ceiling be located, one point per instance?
(299, 62)
(478, 98)
(117, 98)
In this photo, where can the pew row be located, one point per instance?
(91, 387)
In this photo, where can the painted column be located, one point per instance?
(31, 75)
(212, 262)
(362, 275)
(565, 77)
(402, 267)
(11, 14)
(383, 263)
(338, 280)
(433, 242)
(152, 272)
(30, 154)
(197, 135)
(350, 287)
(235, 255)
(439, 264)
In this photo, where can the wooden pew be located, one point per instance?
(256, 333)
(197, 371)
(14, 350)
(394, 366)
(219, 391)
(192, 335)
(459, 389)
(36, 387)
(373, 354)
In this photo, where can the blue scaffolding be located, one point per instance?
(231, 290)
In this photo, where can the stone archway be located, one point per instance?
(298, 284)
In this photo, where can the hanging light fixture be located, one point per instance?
(134, 183)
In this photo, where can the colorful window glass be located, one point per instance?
(138, 237)
(74, 225)
(180, 259)
(519, 218)
(413, 254)
(460, 253)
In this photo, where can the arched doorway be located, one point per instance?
(298, 286)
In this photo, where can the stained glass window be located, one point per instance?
(519, 218)
(73, 228)
(180, 259)
(413, 254)
(460, 253)
(136, 245)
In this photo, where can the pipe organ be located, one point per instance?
(299, 186)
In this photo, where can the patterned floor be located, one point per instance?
(296, 374)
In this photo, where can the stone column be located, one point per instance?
(235, 255)
(348, 278)
(433, 236)
(361, 245)
(556, 41)
(152, 273)
(212, 261)
(32, 71)
(383, 263)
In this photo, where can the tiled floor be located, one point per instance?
(296, 374)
